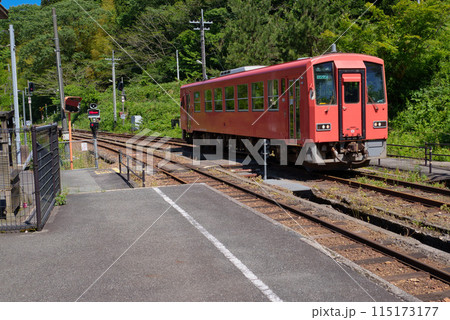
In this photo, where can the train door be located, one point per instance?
(351, 104)
(294, 109)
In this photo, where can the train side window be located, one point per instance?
(208, 100)
(325, 83)
(375, 83)
(242, 91)
(218, 104)
(283, 87)
(229, 98)
(258, 96)
(272, 94)
(197, 102)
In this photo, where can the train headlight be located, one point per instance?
(323, 127)
(379, 124)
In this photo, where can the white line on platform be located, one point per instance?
(227, 253)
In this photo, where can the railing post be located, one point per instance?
(143, 175)
(37, 187)
(426, 153)
(431, 156)
(120, 161)
(128, 168)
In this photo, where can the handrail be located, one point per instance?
(428, 152)
(129, 170)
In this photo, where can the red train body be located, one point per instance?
(335, 103)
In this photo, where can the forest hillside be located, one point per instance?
(412, 38)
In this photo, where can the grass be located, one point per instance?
(377, 183)
(414, 176)
(61, 198)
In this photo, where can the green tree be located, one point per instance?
(252, 34)
(302, 24)
(411, 41)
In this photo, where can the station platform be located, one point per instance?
(177, 243)
(91, 180)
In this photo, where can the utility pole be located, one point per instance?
(29, 103)
(178, 68)
(113, 62)
(202, 29)
(24, 116)
(15, 92)
(60, 77)
(123, 102)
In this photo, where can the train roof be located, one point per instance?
(290, 65)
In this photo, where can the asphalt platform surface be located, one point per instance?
(178, 243)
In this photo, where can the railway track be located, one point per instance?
(406, 224)
(406, 184)
(411, 271)
(395, 193)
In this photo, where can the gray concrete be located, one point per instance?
(171, 260)
(296, 188)
(91, 180)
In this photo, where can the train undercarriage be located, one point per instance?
(317, 156)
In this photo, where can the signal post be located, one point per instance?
(71, 105)
(94, 117)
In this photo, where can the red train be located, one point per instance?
(335, 103)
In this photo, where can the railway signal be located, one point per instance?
(94, 114)
(120, 85)
(30, 88)
(94, 118)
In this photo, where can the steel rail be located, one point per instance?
(407, 184)
(105, 146)
(403, 195)
(412, 262)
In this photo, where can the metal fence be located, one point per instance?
(17, 201)
(424, 153)
(139, 168)
(47, 176)
(29, 177)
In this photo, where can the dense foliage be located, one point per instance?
(412, 38)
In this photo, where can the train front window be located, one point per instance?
(351, 92)
(375, 83)
(325, 83)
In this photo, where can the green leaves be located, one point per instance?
(412, 39)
